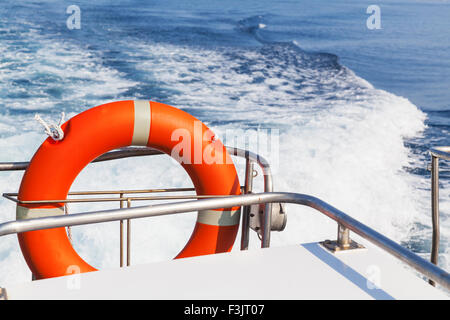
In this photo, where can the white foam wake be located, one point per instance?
(341, 139)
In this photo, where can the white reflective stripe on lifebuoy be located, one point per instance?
(142, 122)
(219, 218)
(30, 213)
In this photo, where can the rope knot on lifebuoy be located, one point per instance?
(53, 130)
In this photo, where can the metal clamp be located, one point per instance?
(277, 221)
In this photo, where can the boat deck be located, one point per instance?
(306, 271)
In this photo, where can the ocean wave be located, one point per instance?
(341, 139)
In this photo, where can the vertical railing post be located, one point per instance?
(121, 233)
(248, 186)
(343, 237)
(267, 225)
(435, 210)
(128, 235)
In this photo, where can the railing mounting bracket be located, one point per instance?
(334, 247)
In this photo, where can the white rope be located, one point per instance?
(69, 230)
(52, 130)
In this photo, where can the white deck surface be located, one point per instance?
(305, 271)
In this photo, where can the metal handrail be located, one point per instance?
(441, 152)
(121, 199)
(147, 151)
(436, 154)
(13, 196)
(421, 265)
(426, 268)
(250, 157)
(112, 155)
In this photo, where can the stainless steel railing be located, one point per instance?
(121, 196)
(345, 222)
(436, 154)
(421, 265)
(250, 157)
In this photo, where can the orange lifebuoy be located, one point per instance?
(90, 134)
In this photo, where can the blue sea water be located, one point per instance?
(357, 108)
